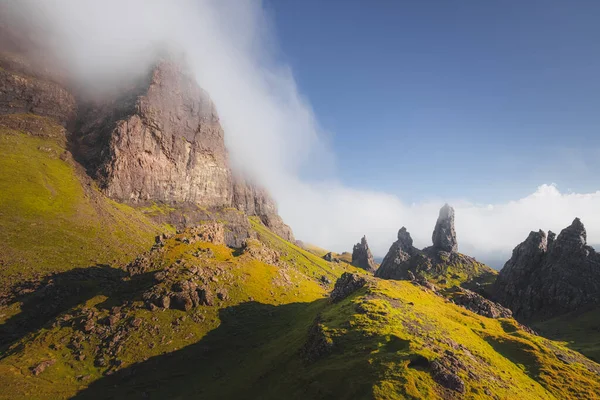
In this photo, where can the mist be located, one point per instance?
(271, 131)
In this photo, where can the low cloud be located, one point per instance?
(271, 131)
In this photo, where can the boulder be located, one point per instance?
(41, 367)
(330, 257)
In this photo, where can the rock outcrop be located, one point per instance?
(162, 141)
(157, 140)
(346, 285)
(362, 257)
(440, 262)
(478, 304)
(549, 275)
(399, 254)
(444, 235)
(331, 258)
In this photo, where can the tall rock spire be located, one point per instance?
(444, 235)
(362, 257)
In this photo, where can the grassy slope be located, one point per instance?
(287, 295)
(49, 221)
(249, 345)
(580, 331)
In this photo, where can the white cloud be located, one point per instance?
(271, 131)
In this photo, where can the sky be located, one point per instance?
(361, 117)
(476, 99)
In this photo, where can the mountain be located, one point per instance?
(52, 215)
(161, 141)
(441, 263)
(135, 263)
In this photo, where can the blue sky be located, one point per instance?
(447, 99)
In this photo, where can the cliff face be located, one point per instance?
(161, 141)
(158, 140)
(548, 275)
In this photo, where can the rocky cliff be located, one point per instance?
(158, 140)
(161, 140)
(440, 263)
(549, 275)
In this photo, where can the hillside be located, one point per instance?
(52, 216)
(135, 262)
(262, 326)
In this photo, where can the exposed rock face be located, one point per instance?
(26, 86)
(440, 261)
(546, 277)
(479, 304)
(401, 251)
(162, 141)
(158, 140)
(255, 249)
(318, 343)
(21, 94)
(444, 371)
(444, 235)
(362, 257)
(346, 285)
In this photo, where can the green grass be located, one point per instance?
(51, 219)
(579, 331)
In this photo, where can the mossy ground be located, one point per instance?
(52, 219)
(579, 331)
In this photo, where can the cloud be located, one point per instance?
(339, 216)
(271, 131)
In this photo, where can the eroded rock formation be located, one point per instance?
(362, 257)
(444, 235)
(441, 261)
(550, 275)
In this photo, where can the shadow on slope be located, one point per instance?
(254, 353)
(44, 300)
